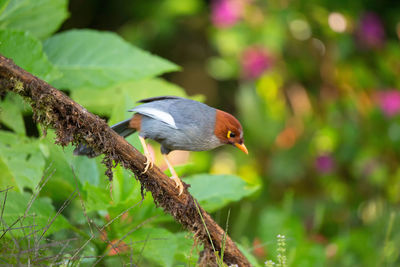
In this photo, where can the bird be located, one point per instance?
(177, 123)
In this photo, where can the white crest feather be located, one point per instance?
(156, 114)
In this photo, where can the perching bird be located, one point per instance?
(177, 124)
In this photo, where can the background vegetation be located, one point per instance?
(314, 83)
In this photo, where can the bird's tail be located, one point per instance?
(122, 128)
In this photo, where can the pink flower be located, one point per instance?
(370, 32)
(255, 60)
(324, 163)
(225, 13)
(389, 102)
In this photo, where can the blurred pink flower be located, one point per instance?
(324, 163)
(225, 13)
(255, 60)
(370, 32)
(389, 102)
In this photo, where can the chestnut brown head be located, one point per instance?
(229, 130)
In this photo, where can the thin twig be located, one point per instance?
(205, 226)
(64, 205)
(43, 181)
(141, 251)
(82, 202)
(225, 234)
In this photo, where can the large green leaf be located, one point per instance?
(40, 17)
(115, 101)
(98, 59)
(216, 191)
(11, 113)
(38, 217)
(7, 178)
(3, 5)
(68, 171)
(125, 186)
(21, 162)
(124, 191)
(157, 245)
(86, 170)
(26, 51)
(120, 195)
(97, 198)
(186, 252)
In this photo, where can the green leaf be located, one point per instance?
(68, 171)
(86, 170)
(3, 5)
(38, 217)
(40, 17)
(124, 97)
(125, 192)
(11, 113)
(216, 191)
(10, 6)
(186, 252)
(23, 159)
(125, 187)
(26, 51)
(157, 245)
(59, 161)
(90, 58)
(126, 195)
(97, 198)
(7, 179)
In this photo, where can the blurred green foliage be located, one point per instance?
(314, 83)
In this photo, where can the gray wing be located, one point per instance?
(179, 113)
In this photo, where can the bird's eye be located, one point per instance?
(231, 134)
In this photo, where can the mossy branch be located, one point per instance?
(74, 124)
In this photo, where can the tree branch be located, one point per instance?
(75, 124)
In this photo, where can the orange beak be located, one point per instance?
(242, 147)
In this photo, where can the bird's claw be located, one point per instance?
(148, 164)
(178, 184)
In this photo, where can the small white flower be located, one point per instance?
(269, 263)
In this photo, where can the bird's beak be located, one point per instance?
(242, 147)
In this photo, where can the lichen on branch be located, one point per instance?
(74, 124)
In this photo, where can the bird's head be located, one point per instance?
(228, 130)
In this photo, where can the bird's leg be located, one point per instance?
(174, 176)
(149, 161)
